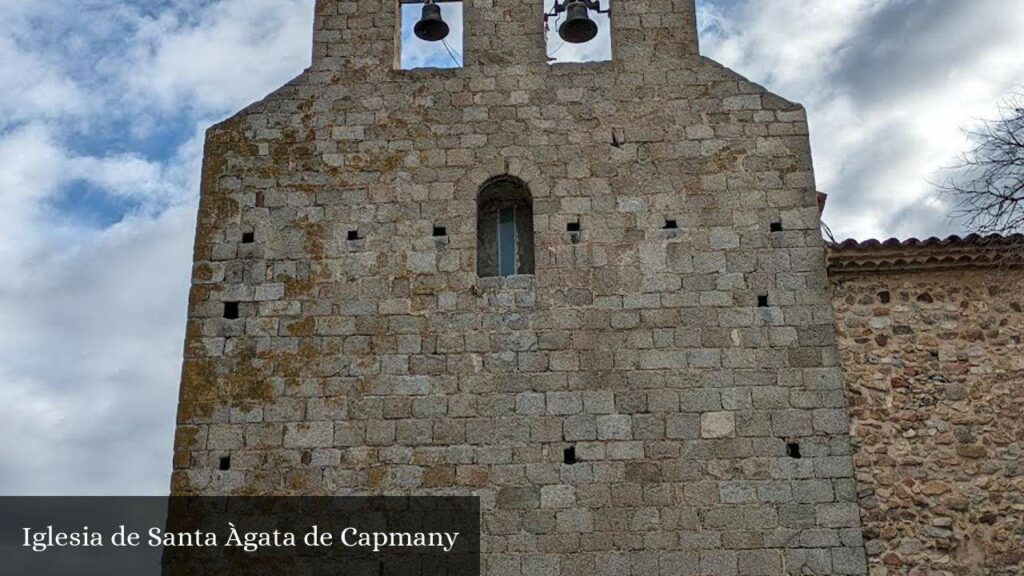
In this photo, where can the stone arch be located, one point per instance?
(504, 228)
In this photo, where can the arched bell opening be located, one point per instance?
(431, 34)
(578, 30)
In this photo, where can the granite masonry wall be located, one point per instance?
(694, 370)
(934, 363)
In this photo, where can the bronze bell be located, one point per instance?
(431, 26)
(578, 27)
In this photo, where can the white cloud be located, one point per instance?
(90, 358)
(94, 321)
(94, 317)
(890, 85)
(125, 176)
(222, 56)
(28, 156)
(34, 89)
(35, 422)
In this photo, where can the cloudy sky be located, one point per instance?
(102, 108)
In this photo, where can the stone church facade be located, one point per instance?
(596, 296)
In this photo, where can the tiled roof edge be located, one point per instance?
(894, 255)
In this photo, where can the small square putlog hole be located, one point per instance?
(353, 235)
(248, 237)
(775, 226)
(231, 310)
(670, 225)
(762, 301)
(440, 231)
(572, 227)
(793, 449)
(569, 456)
(225, 462)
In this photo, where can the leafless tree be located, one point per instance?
(987, 185)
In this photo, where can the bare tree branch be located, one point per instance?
(987, 184)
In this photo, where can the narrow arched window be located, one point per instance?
(504, 228)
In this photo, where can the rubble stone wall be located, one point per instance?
(693, 369)
(934, 364)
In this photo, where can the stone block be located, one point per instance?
(614, 427)
(309, 435)
(718, 563)
(786, 423)
(580, 427)
(838, 515)
(741, 518)
(682, 426)
(849, 561)
(810, 562)
(564, 403)
(519, 498)
(557, 496)
(718, 425)
(738, 492)
(700, 401)
(833, 467)
(530, 403)
(598, 401)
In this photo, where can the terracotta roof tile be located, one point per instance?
(893, 254)
(971, 240)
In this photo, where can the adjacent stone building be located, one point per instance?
(593, 295)
(930, 336)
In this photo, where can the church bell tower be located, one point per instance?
(593, 295)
